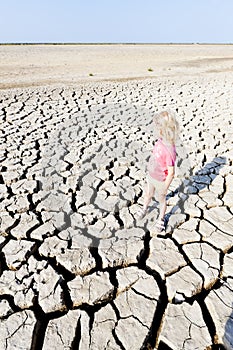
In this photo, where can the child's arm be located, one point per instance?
(170, 176)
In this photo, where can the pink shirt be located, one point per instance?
(163, 155)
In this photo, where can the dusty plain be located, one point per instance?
(78, 269)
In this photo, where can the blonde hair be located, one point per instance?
(167, 125)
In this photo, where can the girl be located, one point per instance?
(161, 165)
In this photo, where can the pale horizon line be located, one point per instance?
(113, 43)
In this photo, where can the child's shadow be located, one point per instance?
(195, 183)
(228, 335)
(208, 173)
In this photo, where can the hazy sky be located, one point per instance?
(116, 21)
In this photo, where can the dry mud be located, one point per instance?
(78, 269)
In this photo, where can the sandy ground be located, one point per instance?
(31, 65)
(78, 268)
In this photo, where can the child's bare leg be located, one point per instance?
(149, 192)
(162, 206)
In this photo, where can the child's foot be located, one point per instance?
(141, 213)
(160, 225)
(157, 227)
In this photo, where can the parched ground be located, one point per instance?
(78, 270)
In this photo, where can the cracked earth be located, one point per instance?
(78, 270)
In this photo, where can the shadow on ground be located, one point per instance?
(228, 335)
(195, 183)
